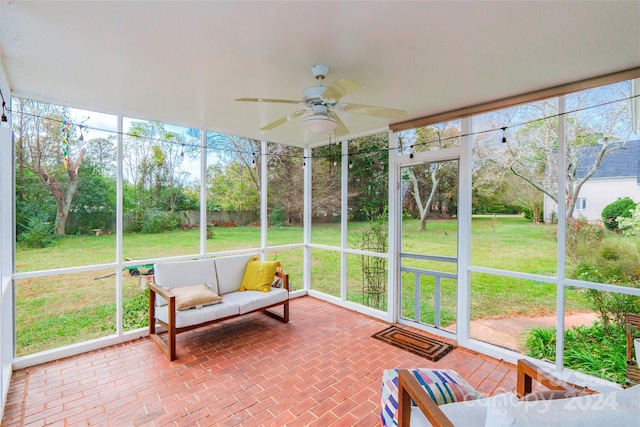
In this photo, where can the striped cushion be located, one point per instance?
(442, 385)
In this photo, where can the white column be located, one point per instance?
(7, 191)
(264, 218)
(119, 224)
(7, 250)
(464, 232)
(306, 276)
(562, 214)
(394, 229)
(203, 192)
(344, 219)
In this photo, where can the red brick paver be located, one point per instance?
(321, 369)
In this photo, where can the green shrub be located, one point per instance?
(529, 213)
(277, 216)
(154, 221)
(587, 349)
(541, 343)
(582, 240)
(136, 311)
(619, 208)
(619, 260)
(630, 226)
(614, 260)
(612, 307)
(38, 232)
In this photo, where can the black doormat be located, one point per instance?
(421, 345)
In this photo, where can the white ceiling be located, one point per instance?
(184, 63)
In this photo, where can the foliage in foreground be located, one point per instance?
(38, 232)
(601, 256)
(615, 210)
(630, 225)
(136, 311)
(588, 349)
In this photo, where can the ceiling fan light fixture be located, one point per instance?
(320, 123)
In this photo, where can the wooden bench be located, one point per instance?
(223, 276)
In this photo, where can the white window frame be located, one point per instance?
(581, 204)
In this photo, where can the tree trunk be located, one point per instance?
(535, 212)
(64, 205)
(416, 191)
(63, 199)
(427, 207)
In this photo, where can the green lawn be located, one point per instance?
(53, 311)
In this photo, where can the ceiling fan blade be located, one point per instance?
(283, 120)
(341, 129)
(371, 110)
(340, 88)
(283, 101)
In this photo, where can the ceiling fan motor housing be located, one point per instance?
(313, 96)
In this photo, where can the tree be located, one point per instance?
(286, 183)
(591, 134)
(425, 180)
(101, 152)
(519, 193)
(94, 205)
(232, 187)
(369, 176)
(326, 196)
(39, 135)
(245, 152)
(233, 174)
(152, 164)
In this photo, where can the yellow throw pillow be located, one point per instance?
(194, 296)
(259, 275)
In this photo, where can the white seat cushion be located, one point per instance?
(617, 408)
(252, 300)
(195, 316)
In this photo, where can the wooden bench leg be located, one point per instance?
(169, 347)
(285, 313)
(171, 339)
(171, 343)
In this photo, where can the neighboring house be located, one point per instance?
(618, 176)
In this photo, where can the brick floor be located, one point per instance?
(321, 369)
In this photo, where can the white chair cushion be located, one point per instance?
(252, 300)
(617, 408)
(230, 271)
(196, 316)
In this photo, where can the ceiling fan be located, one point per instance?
(322, 102)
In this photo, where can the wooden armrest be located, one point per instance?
(527, 372)
(164, 293)
(285, 278)
(409, 389)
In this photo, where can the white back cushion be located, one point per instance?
(230, 272)
(185, 273)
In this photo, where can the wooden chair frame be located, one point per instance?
(168, 347)
(409, 389)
